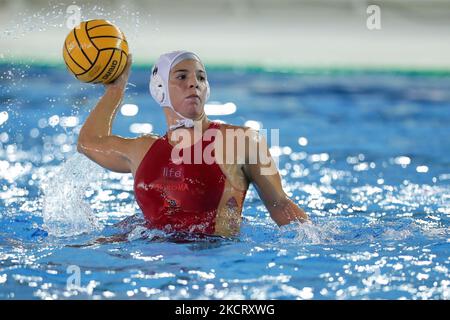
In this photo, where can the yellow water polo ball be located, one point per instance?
(95, 51)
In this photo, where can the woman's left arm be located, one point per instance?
(266, 179)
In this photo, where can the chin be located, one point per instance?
(193, 111)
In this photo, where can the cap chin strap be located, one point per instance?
(187, 123)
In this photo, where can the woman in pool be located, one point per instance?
(195, 177)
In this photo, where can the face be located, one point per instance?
(187, 88)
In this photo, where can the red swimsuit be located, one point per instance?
(178, 197)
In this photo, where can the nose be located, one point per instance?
(193, 82)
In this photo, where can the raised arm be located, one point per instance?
(95, 139)
(266, 179)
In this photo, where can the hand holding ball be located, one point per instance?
(96, 51)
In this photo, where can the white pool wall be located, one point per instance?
(284, 33)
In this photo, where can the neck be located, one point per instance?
(172, 117)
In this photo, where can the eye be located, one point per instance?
(181, 77)
(202, 78)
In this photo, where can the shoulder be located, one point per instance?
(142, 143)
(148, 137)
(145, 141)
(235, 129)
(243, 134)
(230, 126)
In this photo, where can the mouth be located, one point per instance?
(193, 96)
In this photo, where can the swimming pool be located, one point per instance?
(365, 154)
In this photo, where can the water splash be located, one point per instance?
(311, 233)
(65, 211)
(337, 231)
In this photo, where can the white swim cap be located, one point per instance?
(159, 78)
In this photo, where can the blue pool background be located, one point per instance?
(372, 170)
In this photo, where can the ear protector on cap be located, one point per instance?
(208, 91)
(157, 86)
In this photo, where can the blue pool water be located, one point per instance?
(367, 155)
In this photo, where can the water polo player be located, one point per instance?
(195, 177)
